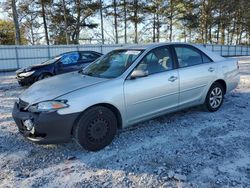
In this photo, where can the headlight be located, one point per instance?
(48, 106)
(26, 74)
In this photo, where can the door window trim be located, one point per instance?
(193, 48)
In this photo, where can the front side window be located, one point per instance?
(70, 58)
(188, 56)
(112, 64)
(156, 61)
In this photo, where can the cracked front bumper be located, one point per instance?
(49, 127)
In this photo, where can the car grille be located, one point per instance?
(22, 104)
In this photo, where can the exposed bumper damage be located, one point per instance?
(44, 128)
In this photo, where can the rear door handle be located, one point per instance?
(211, 69)
(172, 78)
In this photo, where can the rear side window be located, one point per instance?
(70, 58)
(206, 59)
(88, 56)
(188, 56)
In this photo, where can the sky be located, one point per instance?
(3, 15)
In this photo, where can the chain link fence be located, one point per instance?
(14, 57)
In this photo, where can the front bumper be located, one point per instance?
(49, 128)
(25, 80)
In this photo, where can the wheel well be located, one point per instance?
(109, 106)
(49, 73)
(115, 111)
(223, 83)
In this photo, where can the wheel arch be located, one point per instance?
(223, 83)
(107, 105)
(47, 72)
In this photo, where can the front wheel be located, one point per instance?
(43, 76)
(96, 128)
(214, 98)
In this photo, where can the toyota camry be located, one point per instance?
(122, 88)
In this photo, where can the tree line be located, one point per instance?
(125, 21)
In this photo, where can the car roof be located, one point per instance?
(212, 55)
(149, 46)
(82, 51)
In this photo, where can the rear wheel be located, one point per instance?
(214, 98)
(96, 128)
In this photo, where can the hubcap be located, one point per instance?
(215, 98)
(97, 130)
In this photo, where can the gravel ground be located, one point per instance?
(191, 148)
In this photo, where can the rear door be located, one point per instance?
(68, 63)
(156, 93)
(196, 71)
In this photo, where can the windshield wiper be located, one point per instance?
(86, 73)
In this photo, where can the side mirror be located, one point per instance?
(138, 74)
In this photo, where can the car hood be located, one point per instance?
(51, 88)
(33, 67)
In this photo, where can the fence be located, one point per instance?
(14, 57)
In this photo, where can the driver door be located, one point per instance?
(68, 63)
(156, 93)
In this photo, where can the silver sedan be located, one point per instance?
(123, 87)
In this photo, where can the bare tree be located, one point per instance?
(125, 20)
(44, 21)
(115, 20)
(16, 23)
(65, 21)
(101, 14)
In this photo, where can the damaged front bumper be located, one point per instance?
(44, 128)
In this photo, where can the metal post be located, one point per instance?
(221, 50)
(101, 49)
(235, 50)
(228, 51)
(17, 58)
(241, 50)
(48, 48)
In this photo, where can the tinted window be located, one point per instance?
(88, 56)
(70, 58)
(188, 56)
(158, 60)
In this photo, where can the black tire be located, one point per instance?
(214, 101)
(43, 76)
(96, 128)
(21, 84)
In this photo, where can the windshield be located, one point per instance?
(112, 64)
(52, 60)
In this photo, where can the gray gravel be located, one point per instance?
(191, 148)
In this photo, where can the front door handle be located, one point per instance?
(211, 69)
(172, 78)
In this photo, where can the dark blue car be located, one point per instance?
(66, 62)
